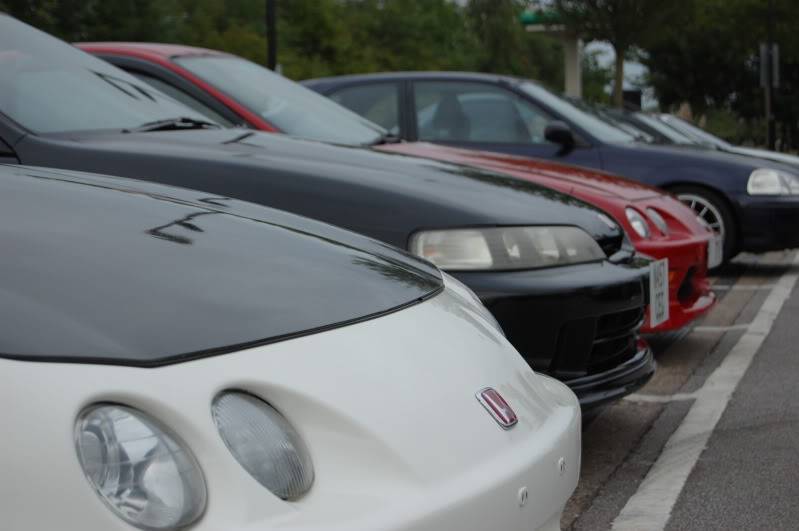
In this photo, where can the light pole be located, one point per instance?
(271, 34)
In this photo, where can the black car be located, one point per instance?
(558, 274)
(752, 203)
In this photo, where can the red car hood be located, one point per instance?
(562, 177)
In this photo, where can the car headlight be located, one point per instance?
(655, 217)
(639, 224)
(138, 468)
(766, 181)
(264, 443)
(505, 248)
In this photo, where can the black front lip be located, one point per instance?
(597, 390)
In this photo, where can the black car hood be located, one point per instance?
(384, 195)
(108, 270)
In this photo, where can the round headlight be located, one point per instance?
(138, 468)
(264, 443)
(657, 219)
(638, 222)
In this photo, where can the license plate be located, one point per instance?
(658, 292)
(715, 252)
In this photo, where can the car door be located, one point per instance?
(489, 117)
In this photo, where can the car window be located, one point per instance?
(476, 112)
(182, 97)
(48, 86)
(290, 107)
(572, 114)
(378, 103)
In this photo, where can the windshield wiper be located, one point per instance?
(181, 123)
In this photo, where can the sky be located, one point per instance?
(633, 71)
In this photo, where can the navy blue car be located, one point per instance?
(752, 203)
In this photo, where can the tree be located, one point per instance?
(625, 24)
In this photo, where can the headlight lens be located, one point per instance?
(639, 224)
(766, 181)
(505, 248)
(264, 443)
(138, 469)
(657, 219)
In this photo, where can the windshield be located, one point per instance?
(47, 86)
(285, 104)
(671, 134)
(694, 131)
(590, 124)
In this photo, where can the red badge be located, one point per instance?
(497, 407)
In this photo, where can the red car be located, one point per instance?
(233, 91)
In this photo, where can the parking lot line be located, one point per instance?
(741, 287)
(660, 399)
(651, 505)
(728, 328)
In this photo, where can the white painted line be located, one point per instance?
(742, 287)
(660, 399)
(651, 505)
(728, 328)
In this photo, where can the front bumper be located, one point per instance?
(690, 295)
(600, 389)
(386, 407)
(767, 223)
(573, 322)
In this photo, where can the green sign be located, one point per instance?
(543, 18)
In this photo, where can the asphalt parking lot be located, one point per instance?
(711, 441)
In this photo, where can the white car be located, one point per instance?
(170, 360)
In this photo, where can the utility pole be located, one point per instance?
(770, 57)
(271, 34)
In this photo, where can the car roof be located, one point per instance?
(162, 50)
(399, 76)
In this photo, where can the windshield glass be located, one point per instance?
(694, 131)
(285, 104)
(671, 134)
(592, 125)
(47, 86)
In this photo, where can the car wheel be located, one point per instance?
(713, 210)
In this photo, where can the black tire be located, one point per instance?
(699, 198)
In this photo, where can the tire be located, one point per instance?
(715, 211)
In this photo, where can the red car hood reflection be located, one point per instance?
(547, 173)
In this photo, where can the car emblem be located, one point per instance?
(497, 407)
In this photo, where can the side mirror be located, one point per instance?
(559, 133)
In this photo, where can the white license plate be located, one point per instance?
(658, 292)
(715, 251)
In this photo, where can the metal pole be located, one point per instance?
(770, 136)
(271, 34)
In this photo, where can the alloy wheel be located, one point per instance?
(706, 211)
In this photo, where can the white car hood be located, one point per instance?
(387, 408)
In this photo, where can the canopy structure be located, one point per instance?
(549, 21)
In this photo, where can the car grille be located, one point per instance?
(594, 345)
(615, 340)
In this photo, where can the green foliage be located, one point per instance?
(625, 24)
(711, 60)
